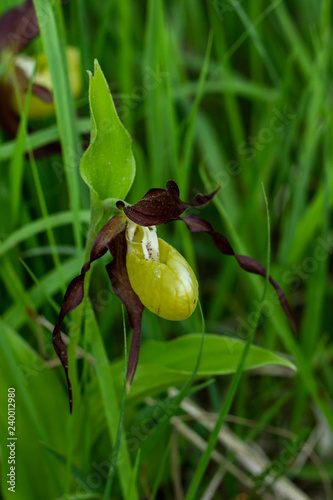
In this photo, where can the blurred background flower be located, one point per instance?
(18, 28)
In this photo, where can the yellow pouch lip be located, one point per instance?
(168, 287)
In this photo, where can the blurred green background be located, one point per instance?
(210, 91)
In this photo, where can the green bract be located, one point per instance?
(165, 283)
(108, 165)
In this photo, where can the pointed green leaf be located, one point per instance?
(23, 370)
(163, 364)
(108, 165)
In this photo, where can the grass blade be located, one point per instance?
(54, 47)
(39, 226)
(108, 489)
(110, 402)
(213, 438)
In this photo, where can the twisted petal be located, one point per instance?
(121, 285)
(40, 91)
(75, 291)
(197, 225)
(160, 206)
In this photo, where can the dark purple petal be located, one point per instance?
(111, 229)
(9, 120)
(153, 193)
(197, 225)
(73, 297)
(18, 27)
(160, 206)
(121, 285)
(43, 93)
(202, 199)
(75, 291)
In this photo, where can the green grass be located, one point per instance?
(215, 91)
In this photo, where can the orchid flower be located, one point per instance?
(18, 27)
(148, 272)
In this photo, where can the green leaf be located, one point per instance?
(23, 370)
(163, 364)
(108, 390)
(108, 165)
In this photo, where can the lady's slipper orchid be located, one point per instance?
(18, 27)
(147, 271)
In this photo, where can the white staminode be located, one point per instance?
(26, 64)
(149, 240)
